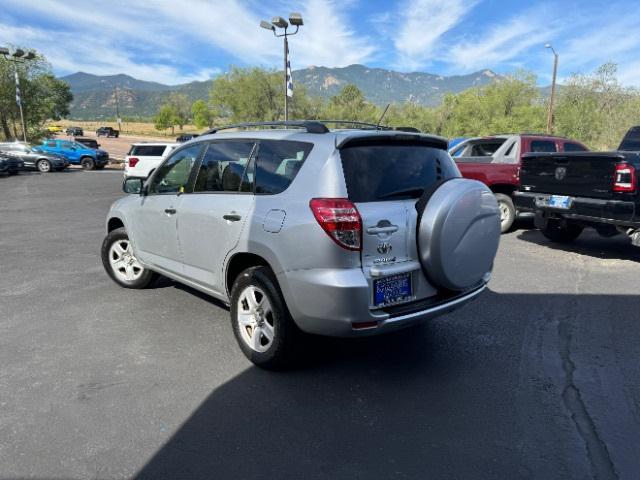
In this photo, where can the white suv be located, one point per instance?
(144, 158)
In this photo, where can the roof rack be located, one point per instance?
(311, 126)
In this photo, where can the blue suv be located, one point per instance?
(77, 154)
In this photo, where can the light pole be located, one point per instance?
(16, 56)
(553, 89)
(295, 19)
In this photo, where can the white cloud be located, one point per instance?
(424, 22)
(168, 42)
(504, 43)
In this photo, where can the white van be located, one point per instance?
(144, 158)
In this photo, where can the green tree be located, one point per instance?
(43, 96)
(166, 118)
(203, 115)
(351, 104)
(256, 94)
(181, 108)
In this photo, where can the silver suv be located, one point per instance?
(334, 232)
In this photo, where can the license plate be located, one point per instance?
(559, 201)
(393, 289)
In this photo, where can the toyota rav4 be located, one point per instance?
(343, 232)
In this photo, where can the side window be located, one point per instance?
(278, 164)
(51, 144)
(225, 168)
(574, 147)
(543, 146)
(173, 175)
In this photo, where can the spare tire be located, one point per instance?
(458, 233)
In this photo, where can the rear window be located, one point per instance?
(543, 146)
(574, 147)
(486, 149)
(147, 150)
(380, 172)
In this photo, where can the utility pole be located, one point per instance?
(295, 19)
(118, 119)
(553, 90)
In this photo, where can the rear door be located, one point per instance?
(385, 180)
(213, 216)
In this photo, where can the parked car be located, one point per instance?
(144, 158)
(571, 191)
(76, 153)
(75, 131)
(456, 141)
(332, 232)
(107, 132)
(7, 164)
(88, 142)
(185, 137)
(54, 128)
(33, 157)
(496, 160)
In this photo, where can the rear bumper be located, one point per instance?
(330, 302)
(615, 212)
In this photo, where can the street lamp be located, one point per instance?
(295, 19)
(17, 55)
(553, 89)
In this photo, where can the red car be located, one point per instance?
(496, 161)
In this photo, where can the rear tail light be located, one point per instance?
(624, 178)
(340, 218)
(133, 161)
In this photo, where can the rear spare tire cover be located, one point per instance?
(458, 233)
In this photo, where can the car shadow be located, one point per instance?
(425, 402)
(589, 243)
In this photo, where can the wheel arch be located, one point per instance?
(504, 188)
(114, 223)
(239, 262)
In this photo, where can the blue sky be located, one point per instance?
(183, 40)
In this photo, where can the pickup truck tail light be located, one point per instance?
(624, 178)
(340, 219)
(133, 161)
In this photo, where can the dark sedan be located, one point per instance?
(10, 165)
(33, 158)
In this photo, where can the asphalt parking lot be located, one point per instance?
(539, 378)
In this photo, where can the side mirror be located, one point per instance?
(133, 185)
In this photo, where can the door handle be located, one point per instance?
(387, 229)
(232, 217)
(169, 211)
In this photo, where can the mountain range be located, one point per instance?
(98, 97)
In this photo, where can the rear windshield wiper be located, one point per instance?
(417, 191)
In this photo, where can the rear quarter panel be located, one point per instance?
(490, 173)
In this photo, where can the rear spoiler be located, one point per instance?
(387, 137)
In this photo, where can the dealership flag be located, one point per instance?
(289, 79)
(17, 89)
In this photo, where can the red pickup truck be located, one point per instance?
(496, 161)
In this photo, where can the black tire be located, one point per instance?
(507, 211)
(88, 163)
(142, 281)
(287, 337)
(561, 232)
(43, 166)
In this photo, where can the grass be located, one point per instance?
(146, 129)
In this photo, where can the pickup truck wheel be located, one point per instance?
(507, 212)
(43, 166)
(120, 263)
(88, 163)
(261, 323)
(561, 232)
